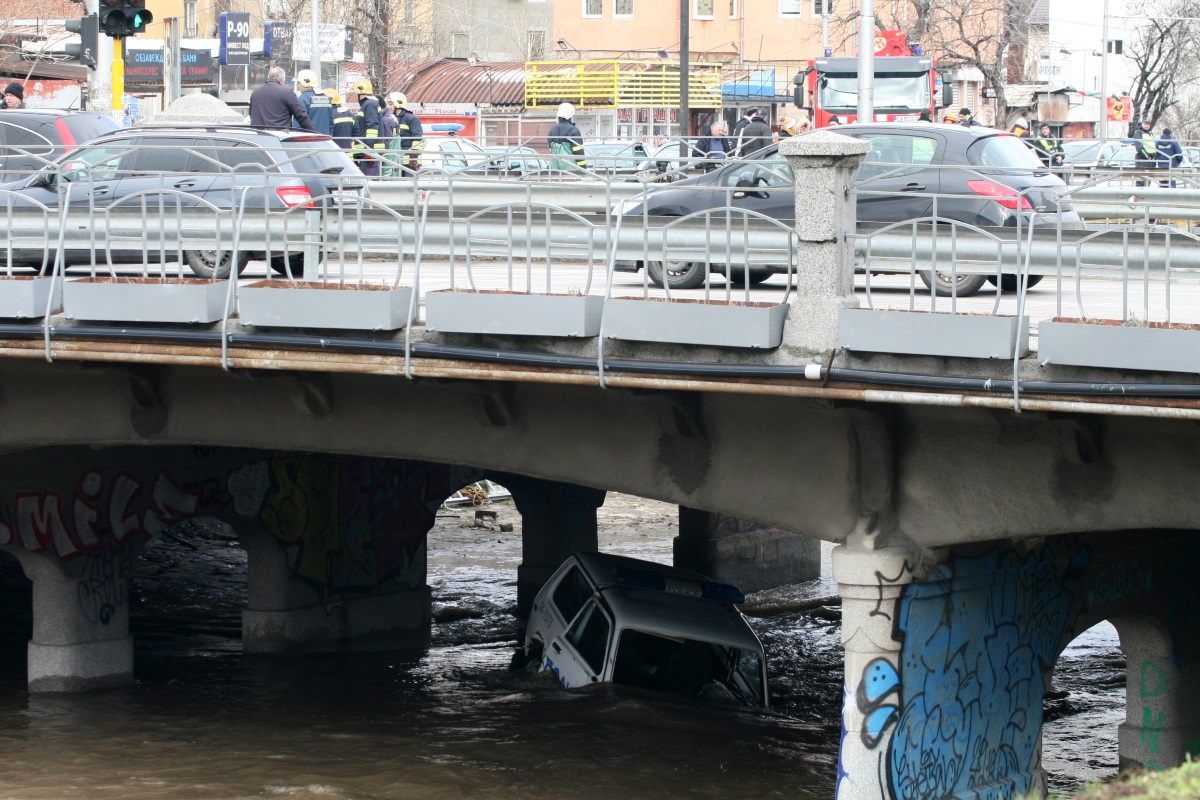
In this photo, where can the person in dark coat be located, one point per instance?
(1145, 153)
(742, 122)
(273, 105)
(317, 104)
(1170, 154)
(366, 129)
(1047, 147)
(755, 137)
(565, 138)
(343, 123)
(715, 147)
(14, 95)
(410, 134)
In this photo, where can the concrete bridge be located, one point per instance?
(979, 529)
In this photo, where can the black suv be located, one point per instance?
(32, 138)
(273, 169)
(998, 180)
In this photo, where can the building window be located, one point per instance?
(817, 7)
(623, 8)
(790, 8)
(593, 8)
(460, 45)
(1116, 46)
(703, 9)
(537, 45)
(733, 9)
(191, 19)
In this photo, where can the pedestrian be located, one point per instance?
(966, 118)
(387, 120)
(950, 118)
(1020, 128)
(566, 141)
(835, 120)
(408, 141)
(788, 127)
(14, 95)
(925, 116)
(715, 147)
(343, 123)
(316, 103)
(742, 122)
(755, 137)
(1145, 149)
(1048, 147)
(1170, 154)
(273, 105)
(369, 147)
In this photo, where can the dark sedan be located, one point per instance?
(903, 177)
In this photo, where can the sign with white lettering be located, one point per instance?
(235, 37)
(146, 66)
(330, 38)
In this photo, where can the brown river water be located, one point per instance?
(203, 721)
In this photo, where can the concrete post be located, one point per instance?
(824, 165)
(557, 519)
(81, 635)
(750, 556)
(871, 582)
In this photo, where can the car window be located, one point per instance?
(85, 127)
(309, 157)
(589, 636)
(1002, 151)
(241, 156)
(165, 154)
(890, 151)
(772, 170)
(102, 163)
(571, 593)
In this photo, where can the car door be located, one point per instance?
(579, 656)
(166, 165)
(90, 176)
(763, 185)
(898, 178)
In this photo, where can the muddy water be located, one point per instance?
(204, 721)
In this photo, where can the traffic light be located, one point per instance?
(88, 29)
(120, 18)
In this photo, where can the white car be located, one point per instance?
(604, 618)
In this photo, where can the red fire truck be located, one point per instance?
(904, 85)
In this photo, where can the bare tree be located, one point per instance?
(1164, 52)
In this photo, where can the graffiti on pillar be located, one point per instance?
(1151, 683)
(352, 523)
(880, 683)
(1119, 582)
(69, 527)
(977, 637)
(104, 583)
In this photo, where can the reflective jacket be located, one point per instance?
(320, 110)
(343, 128)
(366, 128)
(409, 130)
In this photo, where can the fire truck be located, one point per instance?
(905, 83)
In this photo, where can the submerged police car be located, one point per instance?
(605, 618)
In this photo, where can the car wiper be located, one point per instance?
(333, 170)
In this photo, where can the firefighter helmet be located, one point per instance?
(363, 86)
(398, 99)
(566, 110)
(307, 79)
(334, 97)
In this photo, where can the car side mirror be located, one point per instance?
(745, 185)
(46, 177)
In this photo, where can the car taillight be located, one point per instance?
(293, 196)
(1005, 196)
(67, 139)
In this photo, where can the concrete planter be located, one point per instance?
(514, 313)
(716, 323)
(145, 299)
(1106, 343)
(929, 334)
(303, 304)
(26, 298)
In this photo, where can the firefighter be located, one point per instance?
(566, 140)
(315, 102)
(343, 123)
(410, 136)
(368, 147)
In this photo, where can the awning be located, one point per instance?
(755, 85)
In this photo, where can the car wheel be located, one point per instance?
(203, 263)
(682, 274)
(965, 286)
(738, 276)
(281, 263)
(1008, 283)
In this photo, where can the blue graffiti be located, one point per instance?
(977, 637)
(879, 682)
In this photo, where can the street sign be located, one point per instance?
(235, 38)
(331, 39)
(277, 40)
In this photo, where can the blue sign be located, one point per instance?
(235, 37)
(277, 40)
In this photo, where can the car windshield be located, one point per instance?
(1002, 151)
(319, 158)
(892, 90)
(1081, 151)
(689, 667)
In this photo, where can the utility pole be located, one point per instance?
(684, 75)
(1104, 74)
(825, 28)
(99, 80)
(314, 58)
(866, 62)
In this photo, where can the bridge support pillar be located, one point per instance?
(289, 614)
(81, 635)
(557, 519)
(1162, 696)
(750, 556)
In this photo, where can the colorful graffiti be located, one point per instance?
(353, 523)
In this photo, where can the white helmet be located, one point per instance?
(398, 99)
(566, 110)
(307, 78)
(1021, 121)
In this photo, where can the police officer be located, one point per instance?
(1048, 148)
(1145, 148)
(410, 135)
(273, 105)
(565, 138)
(315, 102)
(366, 129)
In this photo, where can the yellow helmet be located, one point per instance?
(363, 86)
(307, 79)
(334, 97)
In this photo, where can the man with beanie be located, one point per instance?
(966, 118)
(14, 95)
(755, 137)
(565, 139)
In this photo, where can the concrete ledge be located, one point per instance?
(395, 621)
(80, 667)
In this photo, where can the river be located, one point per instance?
(203, 721)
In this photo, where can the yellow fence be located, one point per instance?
(623, 84)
